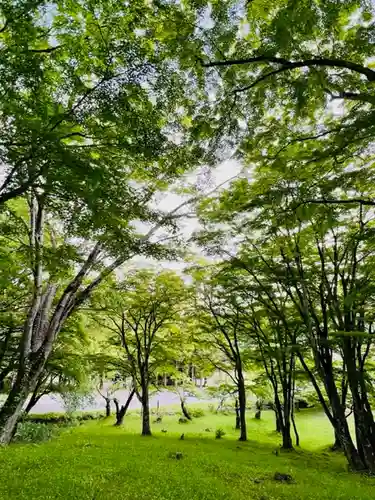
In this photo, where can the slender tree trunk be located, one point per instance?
(107, 407)
(293, 405)
(342, 431)
(146, 426)
(238, 419)
(242, 404)
(185, 410)
(121, 412)
(295, 429)
(336, 414)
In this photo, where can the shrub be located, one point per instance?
(219, 433)
(211, 408)
(30, 432)
(62, 418)
(197, 413)
(183, 420)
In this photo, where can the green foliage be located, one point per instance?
(73, 401)
(32, 432)
(62, 418)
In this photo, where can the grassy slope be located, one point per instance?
(100, 462)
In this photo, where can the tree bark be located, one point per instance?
(337, 446)
(242, 404)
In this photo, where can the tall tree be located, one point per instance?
(221, 324)
(142, 312)
(95, 128)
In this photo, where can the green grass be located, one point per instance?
(97, 461)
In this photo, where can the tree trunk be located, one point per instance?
(185, 410)
(107, 407)
(121, 412)
(337, 446)
(11, 411)
(342, 431)
(278, 422)
(146, 427)
(287, 438)
(295, 429)
(242, 404)
(238, 419)
(337, 413)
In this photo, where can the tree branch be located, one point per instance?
(330, 201)
(288, 65)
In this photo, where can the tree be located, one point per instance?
(316, 259)
(92, 119)
(142, 312)
(221, 323)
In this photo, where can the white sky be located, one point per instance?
(223, 173)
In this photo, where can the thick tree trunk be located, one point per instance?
(121, 412)
(11, 411)
(185, 410)
(287, 438)
(337, 446)
(238, 419)
(242, 405)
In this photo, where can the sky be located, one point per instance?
(220, 177)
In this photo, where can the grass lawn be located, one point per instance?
(97, 461)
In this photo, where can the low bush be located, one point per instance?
(30, 432)
(219, 433)
(197, 412)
